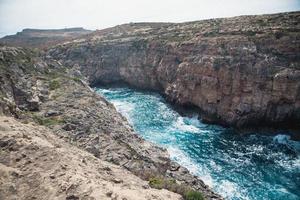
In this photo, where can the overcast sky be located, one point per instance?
(16, 15)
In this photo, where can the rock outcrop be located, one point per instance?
(38, 90)
(241, 71)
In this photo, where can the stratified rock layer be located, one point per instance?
(241, 71)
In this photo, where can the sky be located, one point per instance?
(16, 15)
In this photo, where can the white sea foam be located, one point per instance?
(208, 170)
(105, 91)
(286, 140)
(184, 160)
(179, 124)
(214, 166)
(125, 108)
(230, 190)
(289, 164)
(195, 121)
(179, 156)
(282, 139)
(226, 188)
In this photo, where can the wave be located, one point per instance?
(285, 140)
(227, 189)
(180, 156)
(125, 108)
(230, 190)
(180, 124)
(238, 167)
(282, 139)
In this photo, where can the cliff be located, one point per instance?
(241, 71)
(67, 142)
(42, 38)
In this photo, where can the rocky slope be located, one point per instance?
(36, 164)
(42, 38)
(38, 90)
(241, 71)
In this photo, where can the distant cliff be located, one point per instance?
(241, 71)
(41, 38)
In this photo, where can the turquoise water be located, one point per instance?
(252, 166)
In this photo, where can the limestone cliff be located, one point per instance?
(241, 71)
(68, 157)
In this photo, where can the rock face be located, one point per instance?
(42, 38)
(241, 71)
(38, 90)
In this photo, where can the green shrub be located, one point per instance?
(171, 185)
(54, 84)
(156, 182)
(47, 121)
(76, 79)
(193, 195)
(161, 182)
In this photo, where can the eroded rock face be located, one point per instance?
(241, 71)
(74, 117)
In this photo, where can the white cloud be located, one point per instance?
(18, 14)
